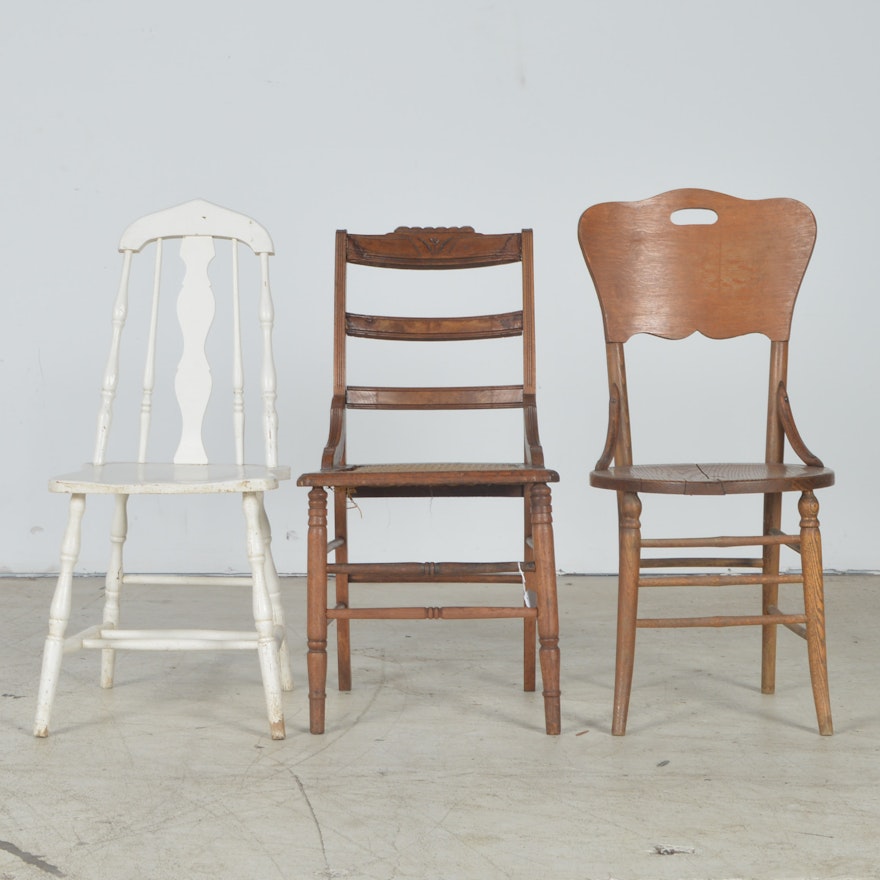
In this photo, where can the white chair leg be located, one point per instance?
(113, 584)
(59, 615)
(264, 620)
(274, 588)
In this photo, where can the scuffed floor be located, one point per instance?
(436, 764)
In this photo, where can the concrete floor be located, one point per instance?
(436, 764)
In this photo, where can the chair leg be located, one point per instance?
(530, 645)
(548, 610)
(343, 627)
(629, 526)
(770, 597)
(530, 629)
(267, 647)
(113, 584)
(814, 606)
(316, 624)
(59, 615)
(274, 588)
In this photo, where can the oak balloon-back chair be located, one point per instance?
(188, 233)
(422, 250)
(656, 271)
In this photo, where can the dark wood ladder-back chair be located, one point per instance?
(737, 275)
(432, 249)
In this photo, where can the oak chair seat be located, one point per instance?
(406, 255)
(712, 479)
(173, 447)
(695, 261)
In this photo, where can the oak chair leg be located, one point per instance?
(316, 623)
(770, 593)
(59, 615)
(113, 584)
(274, 587)
(814, 607)
(629, 526)
(548, 610)
(264, 617)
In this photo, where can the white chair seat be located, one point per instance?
(164, 478)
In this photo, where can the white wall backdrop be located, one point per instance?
(315, 116)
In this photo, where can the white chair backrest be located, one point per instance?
(195, 226)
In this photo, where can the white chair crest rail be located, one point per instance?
(196, 227)
(660, 270)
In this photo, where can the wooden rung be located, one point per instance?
(793, 542)
(696, 561)
(718, 580)
(445, 613)
(796, 628)
(163, 580)
(719, 541)
(428, 579)
(75, 642)
(452, 572)
(750, 620)
(174, 639)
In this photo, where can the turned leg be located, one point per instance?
(530, 642)
(113, 584)
(629, 527)
(274, 588)
(548, 610)
(264, 620)
(343, 627)
(316, 623)
(770, 598)
(814, 606)
(59, 614)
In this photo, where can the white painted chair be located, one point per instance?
(195, 226)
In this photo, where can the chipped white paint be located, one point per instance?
(196, 224)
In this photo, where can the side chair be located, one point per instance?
(656, 271)
(457, 318)
(198, 229)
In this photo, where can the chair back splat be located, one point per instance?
(424, 250)
(694, 261)
(183, 295)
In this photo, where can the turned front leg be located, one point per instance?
(629, 528)
(814, 607)
(316, 602)
(59, 615)
(548, 611)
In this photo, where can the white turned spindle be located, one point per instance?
(237, 362)
(111, 371)
(113, 583)
(195, 312)
(269, 378)
(150, 366)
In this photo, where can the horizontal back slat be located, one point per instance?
(435, 329)
(485, 397)
(434, 248)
